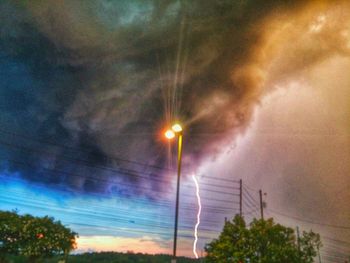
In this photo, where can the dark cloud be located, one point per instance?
(97, 78)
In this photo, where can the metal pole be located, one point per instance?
(240, 198)
(261, 205)
(179, 157)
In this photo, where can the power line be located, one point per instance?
(79, 161)
(337, 248)
(254, 212)
(249, 199)
(124, 171)
(245, 190)
(162, 203)
(336, 240)
(221, 179)
(98, 208)
(335, 254)
(99, 179)
(251, 188)
(163, 226)
(121, 219)
(134, 173)
(128, 231)
(118, 170)
(309, 221)
(80, 150)
(249, 203)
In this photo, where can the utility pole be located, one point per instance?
(298, 242)
(261, 205)
(240, 198)
(319, 255)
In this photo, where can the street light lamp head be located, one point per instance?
(177, 128)
(169, 134)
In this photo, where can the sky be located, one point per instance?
(261, 89)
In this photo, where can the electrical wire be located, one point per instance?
(308, 220)
(119, 171)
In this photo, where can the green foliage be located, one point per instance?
(309, 244)
(262, 242)
(9, 233)
(33, 237)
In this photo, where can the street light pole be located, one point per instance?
(179, 157)
(170, 134)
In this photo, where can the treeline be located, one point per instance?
(109, 257)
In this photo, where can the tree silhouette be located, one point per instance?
(33, 237)
(262, 242)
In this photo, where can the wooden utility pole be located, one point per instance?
(261, 205)
(298, 242)
(319, 255)
(240, 197)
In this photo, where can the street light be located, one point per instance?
(169, 134)
(176, 129)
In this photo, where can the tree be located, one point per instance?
(262, 242)
(34, 237)
(9, 234)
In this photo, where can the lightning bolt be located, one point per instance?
(198, 216)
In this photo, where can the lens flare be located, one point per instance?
(198, 217)
(176, 128)
(169, 134)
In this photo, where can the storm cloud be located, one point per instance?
(90, 84)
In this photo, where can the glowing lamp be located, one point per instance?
(177, 128)
(169, 134)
